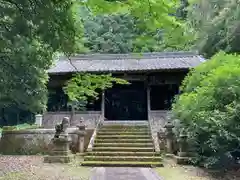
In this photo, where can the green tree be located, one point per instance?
(31, 32)
(216, 24)
(83, 87)
(117, 34)
(125, 32)
(208, 109)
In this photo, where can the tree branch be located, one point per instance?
(72, 64)
(15, 4)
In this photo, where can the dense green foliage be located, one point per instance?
(208, 109)
(152, 14)
(83, 87)
(125, 32)
(117, 34)
(31, 32)
(217, 25)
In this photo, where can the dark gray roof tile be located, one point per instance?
(126, 62)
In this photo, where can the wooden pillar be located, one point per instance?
(148, 100)
(103, 105)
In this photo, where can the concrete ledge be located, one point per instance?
(37, 131)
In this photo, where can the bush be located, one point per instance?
(209, 109)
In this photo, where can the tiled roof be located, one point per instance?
(126, 62)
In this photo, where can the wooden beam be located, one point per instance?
(148, 100)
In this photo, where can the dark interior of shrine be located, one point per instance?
(162, 96)
(126, 102)
(121, 102)
(58, 101)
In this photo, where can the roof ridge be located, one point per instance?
(105, 56)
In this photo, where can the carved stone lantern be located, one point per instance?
(184, 156)
(162, 140)
(81, 134)
(183, 145)
(169, 137)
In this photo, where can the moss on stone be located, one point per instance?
(122, 164)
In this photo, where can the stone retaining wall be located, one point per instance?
(50, 119)
(34, 141)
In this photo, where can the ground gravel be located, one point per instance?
(33, 168)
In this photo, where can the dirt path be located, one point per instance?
(33, 168)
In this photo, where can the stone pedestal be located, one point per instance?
(38, 119)
(60, 152)
(162, 141)
(81, 134)
(183, 156)
(169, 137)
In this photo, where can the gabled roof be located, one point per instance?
(127, 62)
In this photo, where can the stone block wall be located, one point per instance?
(157, 120)
(34, 141)
(50, 119)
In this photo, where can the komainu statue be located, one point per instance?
(61, 128)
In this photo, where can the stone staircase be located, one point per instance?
(123, 145)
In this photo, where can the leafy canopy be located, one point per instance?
(157, 25)
(31, 32)
(209, 109)
(84, 86)
(118, 34)
(216, 24)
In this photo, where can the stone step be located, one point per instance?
(123, 140)
(128, 149)
(124, 137)
(121, 164)
(112, 126)
(123, 133)
(124, 158)
(121, 126)
(127, 122)
(117, 144)
(121, 153)
(124, 130)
